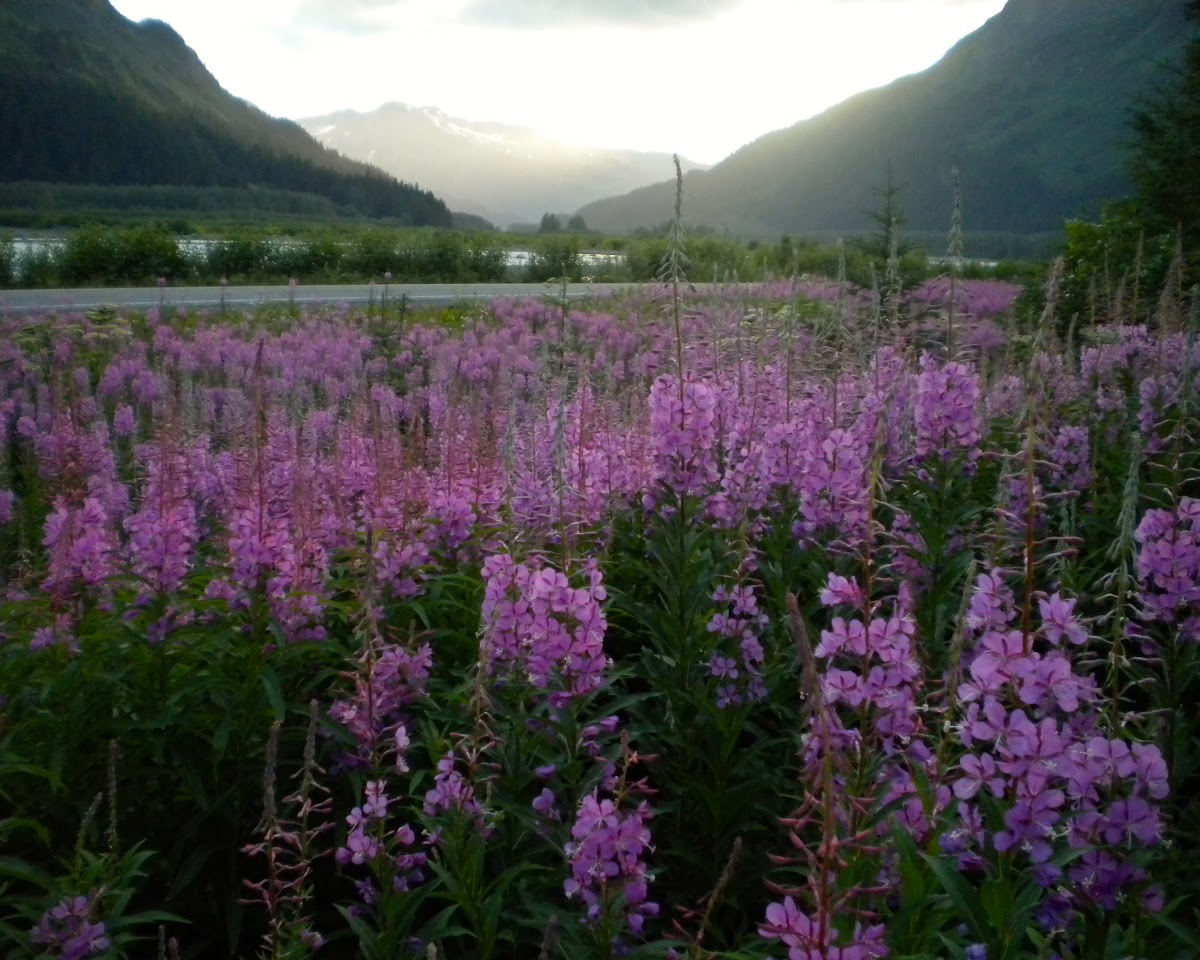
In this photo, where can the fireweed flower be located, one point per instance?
(832, 488)
(992, 605)
(606, 857)
(454, 793)
(684, 435)
(873, 664)
(1031, 745)
(164, 532)
(124, 421)
(538, 622)
(8, 502)
(813, 938)
(906, 550)
(81, 546)
(1169, 567)
(546, 805)
(371, 842)
(1058, 620)
(947, 411)
(390, 679)
(69, 932)
(1070, 458)
(739, 678)
(60, 634)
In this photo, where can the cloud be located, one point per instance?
(350, 16)
(557, 13)
(944, 3)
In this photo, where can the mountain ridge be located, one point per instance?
(91, 97)
(1029, 107)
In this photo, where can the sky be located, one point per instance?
(696, 77)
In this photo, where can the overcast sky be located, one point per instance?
(701, 77)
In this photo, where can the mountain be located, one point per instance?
(1033, 108)
(504, 173)
(89, 97)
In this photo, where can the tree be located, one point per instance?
(1165, 158)
(550, 224)
(888, 217)
(576, 224)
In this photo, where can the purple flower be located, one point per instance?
(787, 922)
(1129, 819)
(1169, 566)
(452, 792)
(719, 666)
(947, 414)
(978, 771)
(728, 696)
(8, 501)
(391, 679)
(68, 930)
(1058, 620)
(536, 619)
(81, 545)
(606, 855)
(684, 431)
(1029, 824)
(546, 805)
(839, 590)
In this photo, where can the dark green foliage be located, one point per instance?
(36, 205)
(1165, 155)
(554, 257)
(138, 256)
(240, 258)
(662, 588)
(888, 219)
(1116, 267)
(90, 98)
(7, 257)
(195, 716)
(471, 221)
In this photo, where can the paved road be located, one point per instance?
(418, 294)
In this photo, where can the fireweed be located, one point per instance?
(1040, 775)
(738, 677)
(542, 628)
(289, 848)
(829, 916)
(380, 849)
(235, 478)
(607, 853)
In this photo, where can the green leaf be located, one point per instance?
(220, 742)
(16, 869)
(11, 825)
(274, 690)
(962, 894)
(368, 937)
(915, 885)
(144, 917)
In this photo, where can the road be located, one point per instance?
(418, 294)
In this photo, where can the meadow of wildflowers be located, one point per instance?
(790, 620)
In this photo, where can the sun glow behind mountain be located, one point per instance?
(700, 77)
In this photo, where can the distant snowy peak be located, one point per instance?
(504, 172)
(461, 128)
